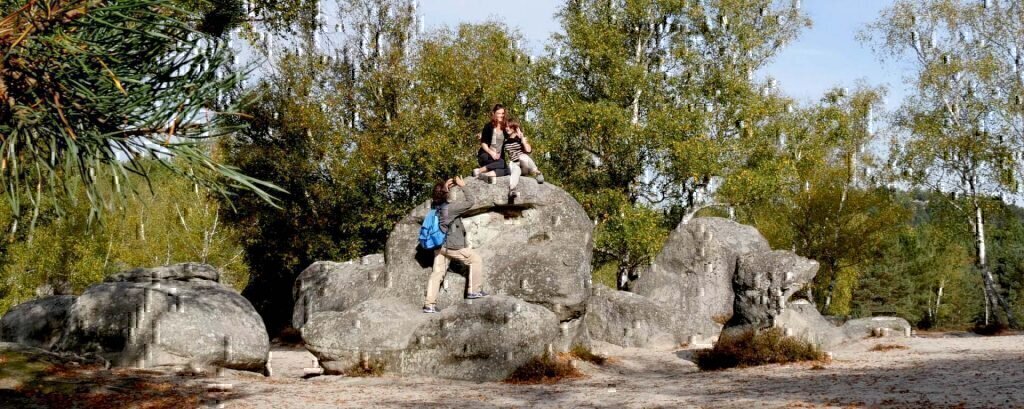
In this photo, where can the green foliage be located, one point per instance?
(754, 348)
(176, 222)
(630, 239)
(906, 272)
(89, 88)
(606, 274)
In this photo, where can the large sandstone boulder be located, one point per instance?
(537, 248)
(171, 315)
(630, 320)
(692, 276)
(536, 252)
(37, 323)
(483, 339)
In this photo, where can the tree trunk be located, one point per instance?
(833, 269)
(851, 172)
(638, 53)
(992, 297)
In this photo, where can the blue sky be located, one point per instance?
(824, 56)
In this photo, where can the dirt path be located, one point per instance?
(950, 372)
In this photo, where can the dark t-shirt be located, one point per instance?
(487, 136)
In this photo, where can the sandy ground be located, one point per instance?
(946, 372)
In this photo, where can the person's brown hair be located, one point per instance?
(440, 194)
(504, 121)
(513, 125)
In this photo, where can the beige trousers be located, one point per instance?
(525, 165)
(466, 256)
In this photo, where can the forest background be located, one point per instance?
(646, 111)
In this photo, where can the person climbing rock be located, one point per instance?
(450, 210)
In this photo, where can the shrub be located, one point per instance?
(887, 347)
(366, 368)
(545, 369)
(753, 348)
(583, 353)
(992, 329)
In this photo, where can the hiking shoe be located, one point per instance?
(492, 180)
(430, 309)
(540, 178)
(476, 172)
(473, 296)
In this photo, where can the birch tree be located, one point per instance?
(963, 120)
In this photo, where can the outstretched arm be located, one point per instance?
(462, 204)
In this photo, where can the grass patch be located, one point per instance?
(721, 319)
(887, 347)
(585, 354)
(367, 368)
(753, 348)
(544, 369)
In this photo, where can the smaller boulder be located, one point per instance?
(865, 327)
(802, 320)
(483, 340)
(764, 282)
(331, 286)
(183, 317)
(629, 320)
(38, 323)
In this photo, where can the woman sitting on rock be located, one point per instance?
(490, 156)
(455, 247)
(518, 158)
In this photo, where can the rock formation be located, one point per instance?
(685, 295)
(483, 339)
(692, 276)
(630, 320)
(38, 323)
(536, 252)
(765, 283)
(178, 315)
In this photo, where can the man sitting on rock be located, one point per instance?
(450, 210)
